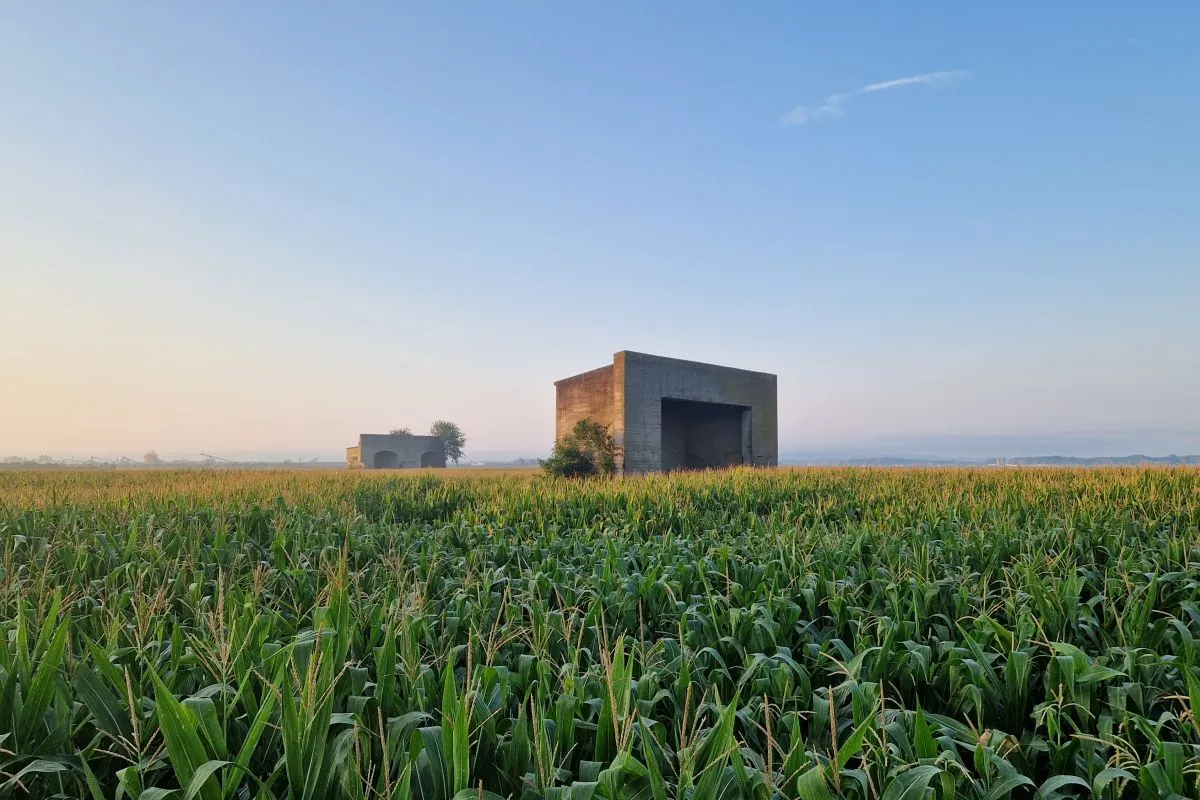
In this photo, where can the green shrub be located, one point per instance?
(584, 452)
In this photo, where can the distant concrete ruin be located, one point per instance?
(395, 451)
(666, 414)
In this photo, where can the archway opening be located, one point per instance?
(386, 459)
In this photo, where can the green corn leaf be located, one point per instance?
(1106, 776)
(1003, 788)
(1049, 790)
(21, 659)
(38, 766)
(257, 727)
(922, 738)
(402, 786)
(185, 748)
(456, 730)
(129, 782)
(1193, 684)
(49, 625)
(1165, 776)
(461, 755)
(797, 758)
(208, 725)
(42, 687)
(206, 770)
(155, 793)
(1016, 679)
(1096, 674)
(342, 759)
(854, 743)
(108, 711)
(431, 771)
(860, 777)
(911, 784)
(658, 788)
(518, 752)
(385, 665)
(579, 790)
(1173, 760)
(94, 789)
(714, 752)
(477, 794)
(811, 785)
(949, 789)
(293, 737)
(109, 671)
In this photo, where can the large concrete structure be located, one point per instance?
(395, 451)
(666, 414)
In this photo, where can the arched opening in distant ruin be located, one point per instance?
(386, 459)
(432, 458)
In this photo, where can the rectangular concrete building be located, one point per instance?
(395, 451)
(666, 414)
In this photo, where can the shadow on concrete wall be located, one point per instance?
(699, 435)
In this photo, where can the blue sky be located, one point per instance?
(263, 228)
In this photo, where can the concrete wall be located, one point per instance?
(388, 451)
(649, 379)
(637, 384)
(354, 457)
(586, 396)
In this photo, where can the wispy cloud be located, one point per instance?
(802, 114)
(831, 106)
(914, 80)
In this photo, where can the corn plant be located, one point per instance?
(745, 634)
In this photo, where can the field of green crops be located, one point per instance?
(891, 635)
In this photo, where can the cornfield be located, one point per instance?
(865, 634)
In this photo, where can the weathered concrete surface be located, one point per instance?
(586, 396)
(665, 413)
(394, 451)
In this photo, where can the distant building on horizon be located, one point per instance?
(395, 451)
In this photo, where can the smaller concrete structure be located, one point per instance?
(395, 451)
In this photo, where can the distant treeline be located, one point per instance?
(1104, 461)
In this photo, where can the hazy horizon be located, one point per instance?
(1079, 444)
(256, 229)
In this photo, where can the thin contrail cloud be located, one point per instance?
(831, 106)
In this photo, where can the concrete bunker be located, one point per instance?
(395, 451)
(668, 414)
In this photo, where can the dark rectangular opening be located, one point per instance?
(703, 435)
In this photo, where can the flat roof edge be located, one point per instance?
(397, 435)
(583, 374)
(651, 357)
